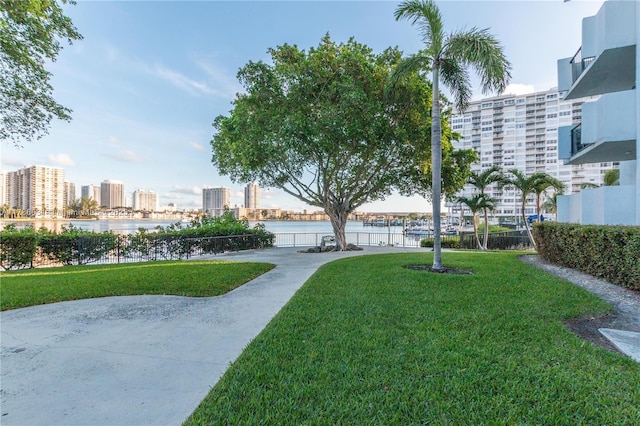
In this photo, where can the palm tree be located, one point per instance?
(546, 182)
(551, 203)
(526, 185)
(481, 181)
(449, 56)
(477, 203)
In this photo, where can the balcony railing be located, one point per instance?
(576, 140)
(580, 64)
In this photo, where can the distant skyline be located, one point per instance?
(148, 79)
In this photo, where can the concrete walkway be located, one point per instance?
(139, 360)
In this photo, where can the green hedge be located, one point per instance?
(608, 252)
(26, 248)
(445, 242)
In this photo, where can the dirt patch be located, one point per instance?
(446, 270)
(587, 328)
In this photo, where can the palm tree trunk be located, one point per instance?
(486, 229)
(475, 231)
(436, 169)
(526, 222)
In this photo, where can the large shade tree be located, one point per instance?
(449, 56)
(30, 36)
(317, 124)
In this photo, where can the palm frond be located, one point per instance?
(426, 16)
(456, 78)
(480, 50)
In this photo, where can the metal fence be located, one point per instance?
(314, 239)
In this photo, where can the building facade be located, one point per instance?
(215, 200)
(69, 193)
(521, 132)
(4, 188)
(604, 71)
(91, 191)
(145, 201)
(112, 194)
(252, 196)
(37, 190)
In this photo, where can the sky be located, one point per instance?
(149, 78)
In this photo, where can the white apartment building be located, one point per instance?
(145, 201)
(252, 196)
(605, 69)
(112, 194)
(521, 132)
(4, 189)
(91, 191)
(37, 190)
(69, 193)
(215, 200)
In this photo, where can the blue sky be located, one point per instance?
(149, 77)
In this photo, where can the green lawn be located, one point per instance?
(193, 278)
(367, 342)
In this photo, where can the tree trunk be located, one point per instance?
(436, 169)
(338, 219)
(526, 223)
(475, 231)
(486, 229)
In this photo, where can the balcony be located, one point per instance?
(606, 61)
(608, 132)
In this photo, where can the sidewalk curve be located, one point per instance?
(139, 360)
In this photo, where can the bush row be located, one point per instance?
(26, 248)
(608, 252)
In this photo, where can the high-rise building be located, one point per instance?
(112, 194)
(215, 200)
(604, 72)
(145, 201)
(252, 196)
(521, 132)
(37, 190)
(91, 191)
(4, 188)
(69, 193)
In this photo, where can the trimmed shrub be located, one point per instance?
(74, 246)
(451, 243)
(17, 247)
(608, 252)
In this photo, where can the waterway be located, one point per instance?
(131, 226)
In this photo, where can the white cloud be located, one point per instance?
(63, 160)
(191, 86)
(519, 89)
(125, 156)
(197, 146)
(12, 161)
(189, 190)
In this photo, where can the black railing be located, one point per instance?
(516, 240)
(110, 248)
(579, 64)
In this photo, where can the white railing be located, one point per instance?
(314, 239)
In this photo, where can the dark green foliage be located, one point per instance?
(609, 252)
(74, 246)
(17, 247)
(368, 342)
(201, 236)
(31, 33)
(446, 242)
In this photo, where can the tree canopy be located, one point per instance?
(317, 124)
(30, 34)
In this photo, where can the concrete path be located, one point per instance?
(139, 360)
